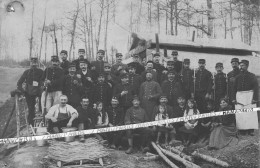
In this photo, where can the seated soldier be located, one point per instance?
(61, 115)
(135, 115)
(86, 116)
(116, 118)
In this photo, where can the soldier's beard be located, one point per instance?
(84, 69)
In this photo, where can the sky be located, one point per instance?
(16, 27)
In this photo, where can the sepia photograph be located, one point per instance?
(129, 83)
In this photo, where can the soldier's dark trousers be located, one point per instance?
(146, 134)
(201, 101)
(31, 101)
(115, 137)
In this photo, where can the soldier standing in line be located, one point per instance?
(98, 65)
(245, 93)
(176, 63)
(110, 78)
(65, 63)
(172, 88)
(187, 79)
(124, 92)
(135, 80)
(102, 91)
(231, 77)
(53, 78)
(87, 80)
(220, 84)
(138, 66)
(149, 68)
(169, 67)
(157, 66)
(149, 93)
(118, 66)
(32, 78)
(73, 87)
(81, 53)
(203, 85)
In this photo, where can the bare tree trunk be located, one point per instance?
(85, 20)
(231, 19)
(105, 45)
(171, 17)
(46, 41)
(241, 23)
(225, 24)
(131, 17)
(91, 32)
(158, 16)
(176, 17)
(139, 15)
(210, 18)
(99, 26)
(150, 14)
(61, 34)
(86, 23)
(166, 21)
(31, 39)
(74, 30)
(251, 25)
(42, 31)
(246, 24)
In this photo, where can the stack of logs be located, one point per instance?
(186, 160)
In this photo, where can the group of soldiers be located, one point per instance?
(80, 83)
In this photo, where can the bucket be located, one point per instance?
(41, 131)
(69, 138)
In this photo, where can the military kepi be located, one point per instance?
(219, 64)
(186, 61)
(174, 52)
(64, 52)
(81, 50)
(202, 61)
(34, 59)
(156, 55)
(101, 52)
(119, 54)
(235, 60)
(72, 65)
(55, 58)
(246, 62)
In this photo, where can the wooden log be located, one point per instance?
(163, 156)
(149, 154)
(210, 159)
(17, 117)
(181, 154)
(8, 120)
(187, 163)
(149, 158)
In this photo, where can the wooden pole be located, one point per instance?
(17, 117)
(8, 121)
(26, 121)
(187, 163)
(157, 42)
(181, 154)
(210, 159)
(163, 156)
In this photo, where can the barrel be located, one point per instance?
(69, 138)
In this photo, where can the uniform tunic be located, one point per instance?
(112, 79)
(246, 81)
(73, 91)
(220, 87)
(115, 115)
(77, 61)
(31, 76)
(136, 115)
(115, 67)
(187, 82)
(203, 85)
(135, 81)
(102, 92)
(139, 68)
(177, 66)
(86, 116)
(56, 76)
(125, 100)
(99, 65)
(173, 90)
(159, 69)
(231, 79)
(65, 66)
(149, 93)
